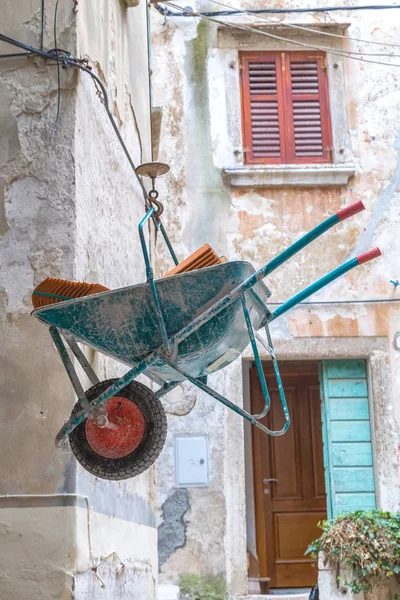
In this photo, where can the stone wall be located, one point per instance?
(211, 196)
(332, 588)
(69, 208)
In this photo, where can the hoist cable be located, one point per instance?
(58, 71)
(281, 38)
(42, 26)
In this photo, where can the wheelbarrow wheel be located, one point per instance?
(132, 439)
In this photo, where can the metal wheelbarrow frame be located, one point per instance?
(243, 305)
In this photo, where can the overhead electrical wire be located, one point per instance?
(29, 53)
(19, 54)
(334, 302)
(106, 104)
(259, 14)
(224, 13)
(16, 55)
(316, 31)
(29, 49)
(79, 64)
(328, 50)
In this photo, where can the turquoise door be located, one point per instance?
(346, 424)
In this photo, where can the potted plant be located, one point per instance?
(362, 550)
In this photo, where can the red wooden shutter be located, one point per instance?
(307, 108)
(262, 96)
(285, 102)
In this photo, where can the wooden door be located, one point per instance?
(289, 505)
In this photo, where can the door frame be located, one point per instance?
(264, 519)
(375, 350)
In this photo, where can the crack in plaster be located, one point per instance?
(4, 226)
(382, 204)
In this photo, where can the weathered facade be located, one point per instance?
(252, 212)
(69, 208)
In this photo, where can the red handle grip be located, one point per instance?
(351, 210)
(363, 258)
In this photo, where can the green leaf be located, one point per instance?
(367, 543)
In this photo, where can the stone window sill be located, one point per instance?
(321, 175)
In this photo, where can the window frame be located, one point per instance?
(284, 96)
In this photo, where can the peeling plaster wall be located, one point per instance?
(38, 225)
(196, 79)
(172, 531)
(202, 551)
(110, 205)
(69, 208)
(37, 177)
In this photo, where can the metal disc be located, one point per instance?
(123, 432)
(152, 169)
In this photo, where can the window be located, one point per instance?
(285, 108)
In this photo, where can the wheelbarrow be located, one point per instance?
(178, 328)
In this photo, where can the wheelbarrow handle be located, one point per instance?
(317, 285)
(247, 285)
(350, 211)
(341, 215)
(367, 256)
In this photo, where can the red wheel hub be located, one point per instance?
(123, 432)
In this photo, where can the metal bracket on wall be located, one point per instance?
(396, 341)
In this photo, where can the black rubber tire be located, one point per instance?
(144, 455)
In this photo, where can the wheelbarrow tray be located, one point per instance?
(123, 324)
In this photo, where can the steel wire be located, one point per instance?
(281, 38)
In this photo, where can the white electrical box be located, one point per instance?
(191, 461)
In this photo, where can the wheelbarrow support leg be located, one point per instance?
(69, 367)
(83, 361)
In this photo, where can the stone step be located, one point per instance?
(168, 592)
(275, 597)
(287, 597)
